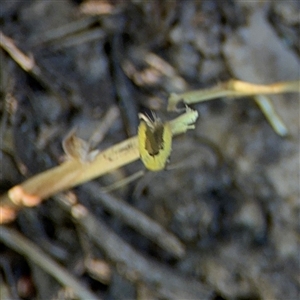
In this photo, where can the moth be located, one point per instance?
(155, 142)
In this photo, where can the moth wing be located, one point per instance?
(154, 162)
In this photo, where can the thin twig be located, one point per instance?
(236, 88)
(265, 105)
(23, 246)
(25, 62)
(233, 88)
(132, 264)
(137, 220)
(6, 266)
(108, 120)
(28, 64)
(123, 89)
(70, 28)
(123, 182)
(91, 35)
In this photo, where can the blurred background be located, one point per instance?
(230, 193)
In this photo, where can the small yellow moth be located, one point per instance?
(155, 142)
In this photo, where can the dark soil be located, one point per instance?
(231, 190)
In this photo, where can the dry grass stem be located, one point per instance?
(232, 88)
(74, 172)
